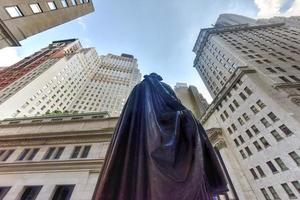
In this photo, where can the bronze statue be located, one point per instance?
(159, 151)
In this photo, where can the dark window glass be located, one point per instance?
(260, 171)
(288, 191)
(249, 133)
(33, 153)
(257, 146)
(248, 151)
(30, 192)
(265, 122)
(296, 184)
(243, 154)
(272, 167)
(242, 95)
(295, 157)
(253, 173)
(3, 192)
(23, 154)
(248, 91)
(260, 104)
(273, 117)
(255, 129)
(276, 135)
(58, 152)
(264, 191)
(7, 155)
(85, 151)
(236, 142)
(274, 193)
(49, 153)
(264, 141)
(281, 164)
(76, 152)
(285, 130)
(63, 192)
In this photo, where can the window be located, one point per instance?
(276, 135)
(233, 127)
(58, 153)
(243, 154)
(229, 130)
(241, 139)
(4, 191)
(260, 171)
(74, 3)
(295, 157)
(280, 69)
(264, 192)
(273, 192)
(248, 132)
(85, 151)
(272, 167)
(248, 91)
(76, 152)
(6, 154)
(52, 5)
(253, 173)
(288, 191)
(35, 7)
(226, 114)
(14, 11)
(254, 109)
(236, 103)
(264, 141)
(236, 142)
(260, 104)
(255, 129)
(222, 117)
(64, 3)
(284, 79)
(285, 130)
(49, 153)
(296, 184)
(248, 151)
(242, 95)
(295, 78)
(30, 192)
(271, 70)
(63, 192)
(33, 153)
(265, 122)
(231, 108)
(257, 146)
(23, 154)
(241, 121)
(246, 117)
(281, 164)
(273, 117)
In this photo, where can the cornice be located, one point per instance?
(93, 165)
(215, 136)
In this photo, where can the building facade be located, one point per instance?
(20, 19)
(253, 73)
(191, 98)
(67, 77)
(53, 157)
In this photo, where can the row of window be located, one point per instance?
(286, 188)
(61, 192)
(53, 153)
(15, 11)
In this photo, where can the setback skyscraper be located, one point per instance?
(68, 78)
(253, 73)
(22, 19)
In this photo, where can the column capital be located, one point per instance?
(215, 136)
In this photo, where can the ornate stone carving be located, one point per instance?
(215, 136)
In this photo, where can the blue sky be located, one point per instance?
(159, 33)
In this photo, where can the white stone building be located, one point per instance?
(53, 157)
(253, 73)
(66, 77)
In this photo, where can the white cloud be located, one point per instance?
(9, 56)
(81, 23)
(271, 8)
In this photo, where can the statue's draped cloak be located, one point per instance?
(159, 151)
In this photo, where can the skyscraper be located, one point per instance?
(253, 73)
(67, 77)
(20, 19)
(191, 98)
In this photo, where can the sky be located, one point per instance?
(159, 33)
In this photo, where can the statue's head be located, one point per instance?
(154, 76)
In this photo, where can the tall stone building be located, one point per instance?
(191, 98)
(67, 77)
(22, 19)
(253, 73)
(53, 157)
